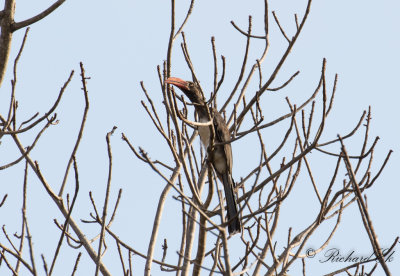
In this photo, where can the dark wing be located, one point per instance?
(222, 135)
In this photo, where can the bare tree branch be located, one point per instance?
(18, 25)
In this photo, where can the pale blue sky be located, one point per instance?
(122, 42)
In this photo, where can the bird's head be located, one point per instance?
(191, 89)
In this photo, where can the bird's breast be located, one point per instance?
(204, 132)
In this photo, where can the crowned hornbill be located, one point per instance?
(221, 155)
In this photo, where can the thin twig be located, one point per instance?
(80, 134)
(107, 195)
(76, 263)
(46, 115)
(280, 27)
(68, 216)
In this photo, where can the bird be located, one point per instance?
(220, 155)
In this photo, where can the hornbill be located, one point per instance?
(221, 155)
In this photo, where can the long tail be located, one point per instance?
(231, 205)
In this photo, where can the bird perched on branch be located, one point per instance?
(221, 154)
